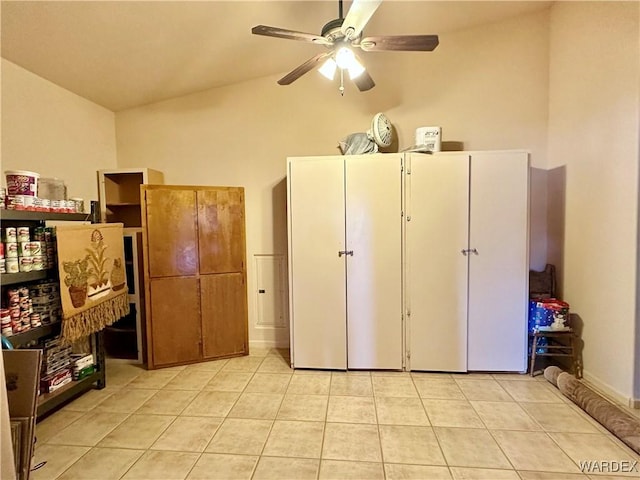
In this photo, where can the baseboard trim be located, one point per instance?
(608, 391)
(267, 344)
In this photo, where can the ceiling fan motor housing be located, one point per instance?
(331, 31)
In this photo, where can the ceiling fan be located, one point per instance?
(341, 36)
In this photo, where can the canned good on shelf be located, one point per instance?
(35, 320)
(25, 264)
(10, 234)
(79, 204)
(22, 234)
(24, 249)
(13, 296)
(12, 265)
(35, 248)
(11, 250)
(38, 262)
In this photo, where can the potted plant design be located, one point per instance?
(96, 255)
(76, 279)
(117, 275)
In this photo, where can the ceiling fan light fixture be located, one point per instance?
(341, 36)
(345, 58)
(356, 69)
(328, 68)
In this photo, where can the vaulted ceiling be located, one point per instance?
(121, 54)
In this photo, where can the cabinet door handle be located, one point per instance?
(345, 252)
(464, 252)
(468, 251)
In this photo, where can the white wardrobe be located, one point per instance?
(409, 261)
(345, 261)
(467, 261)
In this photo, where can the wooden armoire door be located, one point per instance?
(224, 312)
(169, 218)
(223, 292)
(175, 329)
(194, 253)
(221, 230)
(171, 226)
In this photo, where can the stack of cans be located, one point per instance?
(25, 262)
(21, 314)
(20, 310)
(23, 252)
(45, 297)
(47, 238)
(5, 322)
(34, 204)
(10, 239)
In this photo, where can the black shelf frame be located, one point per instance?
(28, 216)
(50, 401)
(36, 333)
(25, 277)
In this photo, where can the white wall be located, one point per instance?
(486, 87)
(594, 100)
(56, 133)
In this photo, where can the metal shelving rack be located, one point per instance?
(49, 401)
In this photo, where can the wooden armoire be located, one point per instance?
(195, 273)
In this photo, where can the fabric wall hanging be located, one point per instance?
(93, 286)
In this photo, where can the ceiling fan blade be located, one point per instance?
(289, 34)
(304, 68)
(364, 82)
(407, 43)
(359, 14)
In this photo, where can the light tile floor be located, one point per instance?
(255, 418)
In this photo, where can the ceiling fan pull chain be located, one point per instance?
(341, 82)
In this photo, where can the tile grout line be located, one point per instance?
(255, 467)
(375, 409)
(444, 457)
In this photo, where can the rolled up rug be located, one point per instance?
(551, 374)
(622, 424)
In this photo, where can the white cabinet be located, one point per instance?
(119, 192)
(456, 263)
(345, 261)
(437, 229)
(120, 202)
(467, 261)
(499, 271)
